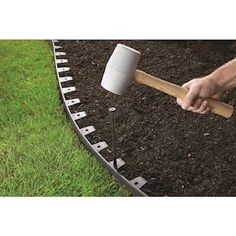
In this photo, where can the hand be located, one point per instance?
(199, 89)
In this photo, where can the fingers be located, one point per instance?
(202, 109)
(192, 102)
(199, 106)
(191, 98)
(192, 106)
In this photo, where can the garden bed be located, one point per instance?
(179, 153)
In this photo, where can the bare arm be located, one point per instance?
(225, 76)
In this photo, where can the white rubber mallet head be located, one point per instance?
(120, 69)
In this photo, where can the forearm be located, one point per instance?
(225, 76)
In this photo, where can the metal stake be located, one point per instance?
(112, 114)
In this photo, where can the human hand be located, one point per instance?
(199, 89)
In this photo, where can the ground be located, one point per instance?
(179, 153)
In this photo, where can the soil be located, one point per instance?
(179, 153)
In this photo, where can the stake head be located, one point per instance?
(112, 109)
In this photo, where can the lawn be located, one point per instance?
(40, 154)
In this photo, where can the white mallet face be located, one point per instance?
(120, 69)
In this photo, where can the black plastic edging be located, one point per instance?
(128, 184)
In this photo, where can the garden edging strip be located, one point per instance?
(134, 185)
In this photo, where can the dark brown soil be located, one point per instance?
(179, 153)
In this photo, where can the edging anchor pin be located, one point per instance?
(112, 111)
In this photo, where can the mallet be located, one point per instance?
(121, 70)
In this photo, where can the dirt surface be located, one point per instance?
(179, 153)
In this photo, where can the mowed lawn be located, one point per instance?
(40, 154)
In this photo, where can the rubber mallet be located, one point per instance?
(121, 70)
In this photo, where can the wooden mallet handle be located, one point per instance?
(216, 106)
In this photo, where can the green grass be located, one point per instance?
(40, 154)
